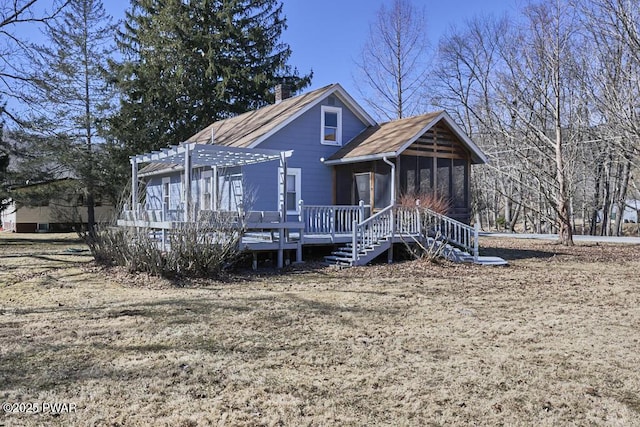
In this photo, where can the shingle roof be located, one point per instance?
(248, 128)
(391, 138)
(387, 137)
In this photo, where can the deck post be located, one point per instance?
(283, 207)
(281, 243)
(214, 182)
(393, 232)
(134, 182)
(332, 222)
(476, 248)
(187, 183)
(354, 242)
(300, 232)
(361, 211)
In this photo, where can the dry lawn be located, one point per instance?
(551, 340)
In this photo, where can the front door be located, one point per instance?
(362, 187)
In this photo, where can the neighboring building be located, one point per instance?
(630, 213)
(51, 214)
(334, 162)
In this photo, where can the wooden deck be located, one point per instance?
(362, 239)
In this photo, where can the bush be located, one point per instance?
(436, 203)
(430, 246)
(204, 248)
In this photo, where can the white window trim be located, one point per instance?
(203, 179)
(329, 109)
(167, 196)
(297, 173)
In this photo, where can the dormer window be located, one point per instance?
(331, 125)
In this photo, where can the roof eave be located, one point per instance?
(334, 88)
(358, 159)
(348, 99)
(477, 156)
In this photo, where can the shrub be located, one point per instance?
(205, 248)
(431, 245)
(429, 200)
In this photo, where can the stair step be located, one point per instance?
(333, 258)
(490, 260)
(346, 254)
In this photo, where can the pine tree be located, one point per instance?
(69, 95)
(190, 63)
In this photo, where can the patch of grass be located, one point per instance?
(550, 340)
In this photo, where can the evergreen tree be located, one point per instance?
(70, 96)
(187, 64)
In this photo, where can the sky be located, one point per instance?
(327, 36)
(329, 42)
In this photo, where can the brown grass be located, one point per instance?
(551, 340)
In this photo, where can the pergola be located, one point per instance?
(193, 155)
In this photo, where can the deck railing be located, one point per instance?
(332, 219)
(144, 213)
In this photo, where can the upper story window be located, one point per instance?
(331, 125)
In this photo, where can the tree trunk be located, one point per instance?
(565, 233)
(621, 198)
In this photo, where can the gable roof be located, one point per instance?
(248, 130)
(390, 139)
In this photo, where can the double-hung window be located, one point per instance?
(206, 191)
(293, 194)
(331, 125)
(166, 194)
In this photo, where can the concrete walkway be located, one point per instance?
(576, 238)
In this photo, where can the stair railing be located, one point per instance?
(455, 232)
(370, 231)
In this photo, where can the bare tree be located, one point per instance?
(15, 14)
(614, 27)
(393, 67)
(517, 81)
(69, 94)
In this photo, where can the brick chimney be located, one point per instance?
(282, 92)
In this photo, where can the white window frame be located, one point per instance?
(297, 173)
(166, 184)
(206, 189)
(330, 109)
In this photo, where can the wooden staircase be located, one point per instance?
(372, 237)
(343, 257)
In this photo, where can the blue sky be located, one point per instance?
(328, 42)
(328, 35)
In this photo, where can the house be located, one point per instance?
(335, 165)
(46, 213)
(631, 211)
